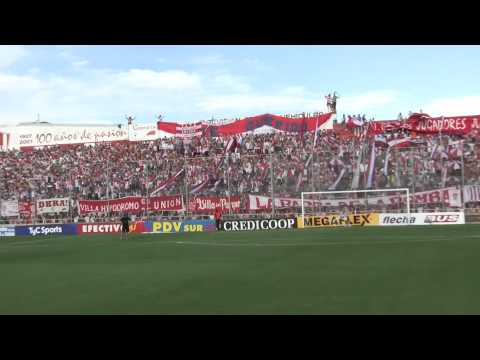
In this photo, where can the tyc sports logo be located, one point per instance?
(44, 230)
(441, 219)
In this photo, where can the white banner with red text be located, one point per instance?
(449, 196)
(207, 204)
(51, 206)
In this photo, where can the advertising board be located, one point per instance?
(7, 230)
(258, 224)
(368, 219)
(58, 229)
(108, 228)
(179, 226)
(439, 218)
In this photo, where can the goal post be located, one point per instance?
(356, 201)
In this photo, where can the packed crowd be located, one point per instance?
(213, 166)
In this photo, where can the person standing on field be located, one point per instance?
(344, 218)
(125, 226)
(218, 216)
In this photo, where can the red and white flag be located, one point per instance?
(196, 188)
(371, 167)
(231, 145)
(401, 143)
(171, 180)
(353, 122)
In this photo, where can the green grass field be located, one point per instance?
(375, 270)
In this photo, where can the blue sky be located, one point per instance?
(102, 84)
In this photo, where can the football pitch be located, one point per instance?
(369, 270)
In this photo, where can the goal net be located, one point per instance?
(324, 203)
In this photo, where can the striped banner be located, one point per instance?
(471, 193)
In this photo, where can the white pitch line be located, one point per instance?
(360, 242)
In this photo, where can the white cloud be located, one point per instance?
(293, 99)
(67, 53)
(80, 63)
(98, 95)
(229, 82)
(10, 54)
(256, 64)
(166, 80)
(465, 105)
(277, 103)
(18, 83)
(366, 101)
(209, 60)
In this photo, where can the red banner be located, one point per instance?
(165, 203)
(25, 208)
(207, 204)
(108, 228)
(248, 124)
(182, 130)
(131, 204)
(445, 125)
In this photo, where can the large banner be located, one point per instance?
(45, 135)
(142, 132)
(258, 224)
(109, 228)
(440, 218)
(131, 204)
(253, 123)
(445, 125)
(9, 208)
(179, 226)
(182, 130)
(449, 196)
(50, 206)
(369, 219)
(208, 204)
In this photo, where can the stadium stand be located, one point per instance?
(278, 164)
